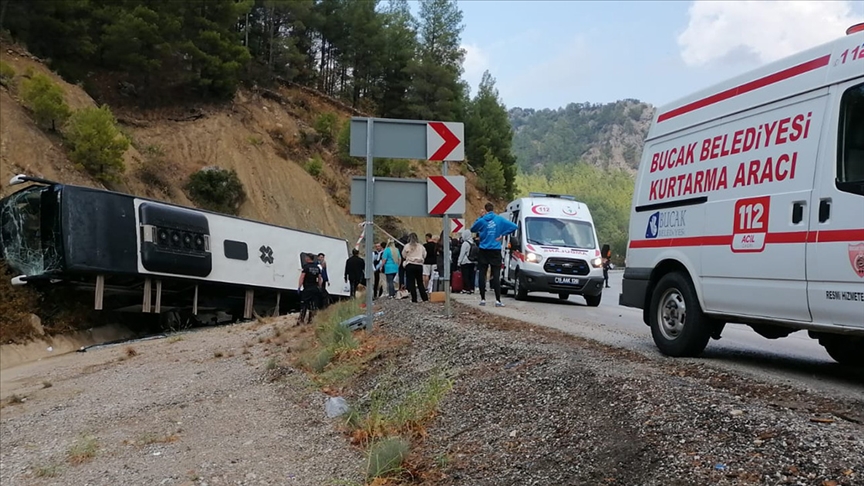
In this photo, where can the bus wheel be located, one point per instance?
(677, 324)
(846, 351)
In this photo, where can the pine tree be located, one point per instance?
(492, 176)
(437, 91)
(400, 33)
(488, 129)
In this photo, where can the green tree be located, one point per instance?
(137, 40)
(96, 142)
(491, 176)
(46, 99)
(400, 32)
(487, 129)
(279, 38)
(437, 92)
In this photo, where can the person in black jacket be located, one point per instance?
(355, 269)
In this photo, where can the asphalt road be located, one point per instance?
(796, 360)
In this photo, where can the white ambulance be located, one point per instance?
(554, 249)
(749, 207)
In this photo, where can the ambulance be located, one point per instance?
(749, 207)
(554, 249)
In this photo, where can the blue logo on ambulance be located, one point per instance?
(653, 225)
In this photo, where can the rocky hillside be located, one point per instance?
(291, 174)
(608, 136)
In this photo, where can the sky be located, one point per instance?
(546, 54)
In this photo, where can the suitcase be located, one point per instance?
(456, 283)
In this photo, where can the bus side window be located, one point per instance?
(850, 142)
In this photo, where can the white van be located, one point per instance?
(553, 250)
(749, 207)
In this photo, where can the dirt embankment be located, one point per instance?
(527, 406)
(264, 139)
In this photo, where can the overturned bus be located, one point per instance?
(140, 255)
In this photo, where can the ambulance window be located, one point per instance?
(850, 143)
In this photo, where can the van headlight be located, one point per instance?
(533, 258)
(597, 262)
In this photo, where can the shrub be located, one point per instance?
(45, 99)
(343, 144)
(315, 166)
(96, 142)
(154, 170)
(7, 73)
(216, 189)
(326, 125)
(393, 168)
(386, 457)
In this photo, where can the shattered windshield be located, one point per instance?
(29, 227)
(566, 233)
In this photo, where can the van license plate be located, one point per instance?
(567, 280)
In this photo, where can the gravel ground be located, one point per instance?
(535, 406)
(529, 406)
(176, 413)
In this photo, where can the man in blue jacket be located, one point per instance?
(491, 228)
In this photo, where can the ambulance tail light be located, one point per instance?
(855, 29)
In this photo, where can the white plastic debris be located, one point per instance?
(335, 406)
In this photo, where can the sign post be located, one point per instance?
(406, 139)
(370, 199)
(445, 235)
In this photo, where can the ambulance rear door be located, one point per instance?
(835, 244)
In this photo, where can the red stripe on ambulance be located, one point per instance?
(825, 236)
(748, 87)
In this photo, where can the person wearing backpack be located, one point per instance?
(467, 260)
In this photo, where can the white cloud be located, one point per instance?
(729, 31)
(476, 61)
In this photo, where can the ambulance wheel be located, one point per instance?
(593, 300)
(519, 292)
(846, 351)
(677, 324)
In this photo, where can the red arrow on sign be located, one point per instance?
(458, 224)
(451, 141)
(451, 194)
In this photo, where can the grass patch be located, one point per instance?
(386, 415)
(131, 352)
(83, 450)
(47, 471)
(386, 457)
(151, 438)
(331, 340)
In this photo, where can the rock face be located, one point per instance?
(607, 135)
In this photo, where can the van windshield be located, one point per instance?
(566, 233)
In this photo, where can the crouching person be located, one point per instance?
(310, 295)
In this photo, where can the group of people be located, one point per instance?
(413, 264)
